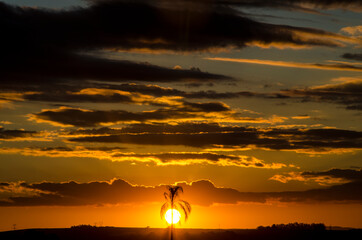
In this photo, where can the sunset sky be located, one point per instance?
(253, 107)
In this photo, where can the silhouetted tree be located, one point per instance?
(294, 227)
(173, 202)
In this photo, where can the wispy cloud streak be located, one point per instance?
(334, 67)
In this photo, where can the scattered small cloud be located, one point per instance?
(21, 135)
(326, 178)
(353, 30)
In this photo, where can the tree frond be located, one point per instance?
(177, 190)
(164, 208)
(186, 205)
(166, 195)
(186, 208)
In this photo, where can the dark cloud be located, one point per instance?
(91, 118)
(157, 159)
(205, 135)
(158, 91)
(120, 191)
(184, 127)
(44, 48)
(202, 192)
(205, 107)
(353, 56)
(16, 134)
(61, 96)
(346, 93)
(85, 118)
(346, 174)
(200, 140)
(224, 139)
(291, 5)
(107, 93)
(38, 35)
(82, 68)
(340, 193)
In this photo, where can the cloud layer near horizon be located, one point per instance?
(202, 192)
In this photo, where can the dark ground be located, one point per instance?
(112, 233)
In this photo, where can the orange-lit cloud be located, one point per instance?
(103, 95)
(159, 159)
(330, 177)
(323, 180)
(301, 117)
(177, 111)
(335, 67)
(125, 93)
(353, 30)
(314, 38)
(6, 98)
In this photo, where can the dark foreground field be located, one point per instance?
(111, 233)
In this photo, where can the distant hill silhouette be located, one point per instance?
(293, 231)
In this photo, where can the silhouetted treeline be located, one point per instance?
(294, 227)
(293, 231)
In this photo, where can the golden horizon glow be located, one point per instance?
(172, 216)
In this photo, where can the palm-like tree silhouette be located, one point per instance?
(173, 202)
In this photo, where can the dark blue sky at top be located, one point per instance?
(46, 3)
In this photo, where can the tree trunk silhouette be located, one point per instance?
(173, 203)
(171, 238)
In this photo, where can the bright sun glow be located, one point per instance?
(176, 216)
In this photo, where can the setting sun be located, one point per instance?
(180, 119)
(176, 216)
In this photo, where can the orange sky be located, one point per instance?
(223, 216)
(253, 108)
